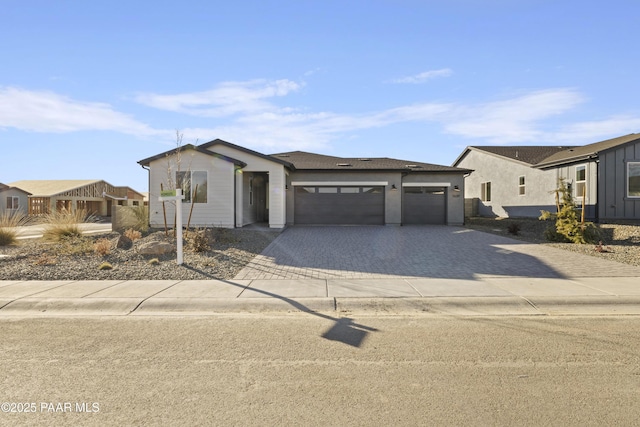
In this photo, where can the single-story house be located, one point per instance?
(13, 200)
(519, 181)
(93, 196)
(226, 185)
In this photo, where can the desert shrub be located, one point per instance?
(102, 247)
(198, 240)
(61, 224)
(132, 234)
(105, 266)
(73, 245)
(8, 222)
(514, 228)
(135, 217)
(7, 237)
(568, 226)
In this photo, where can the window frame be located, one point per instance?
(187, 188)
(522, 184)
(485, 191)
(578, 194)
(637, 165)
(13, 203)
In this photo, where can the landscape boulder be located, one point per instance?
(124, 242)
(155, 248)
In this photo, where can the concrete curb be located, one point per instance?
(70, 307)
(339, 307)
(204, 306)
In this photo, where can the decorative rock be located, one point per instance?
(155, 248)
(124, 242)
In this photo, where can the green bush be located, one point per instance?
(568, 226)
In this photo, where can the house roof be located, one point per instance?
(4, 187)
(584, 152)
(529, 154)
(200, 148)
(48, 188)
(215, 142)
(310, 161)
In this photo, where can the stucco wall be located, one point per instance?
(504, 176)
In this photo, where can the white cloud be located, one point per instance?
(245, 113)
(514, 120)
(43, 111)
(424, 76)
(229, 98)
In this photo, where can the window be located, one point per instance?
(485, 191)
(521, 189)
(581, 181)
(13, 203)
(344, 190)
(195, 181)
(327, 189)
(633, 179)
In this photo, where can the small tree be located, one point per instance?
(569, 227)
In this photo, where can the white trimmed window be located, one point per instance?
(521, 189)
(13, 203)
(581, 181)
(485, 191)
(193, 185)
(633, 179)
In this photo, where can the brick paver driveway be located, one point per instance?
(417, 251)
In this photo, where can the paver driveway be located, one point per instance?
(417, 251)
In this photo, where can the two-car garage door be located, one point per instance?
(365, 205)
(348, 205)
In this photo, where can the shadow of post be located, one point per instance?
(343, 330)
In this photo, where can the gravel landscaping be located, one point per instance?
(222, 253)
(620, 242)
(75, 259)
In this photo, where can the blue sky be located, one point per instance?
(88, 88)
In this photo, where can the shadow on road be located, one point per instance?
(344, 329)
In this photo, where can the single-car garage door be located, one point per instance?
(424, 205)
(339, 205)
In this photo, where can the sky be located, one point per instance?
(89, 88)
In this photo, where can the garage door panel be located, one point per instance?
(425, 207)
(346, 208)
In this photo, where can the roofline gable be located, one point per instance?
(199, 149)
(218, 141)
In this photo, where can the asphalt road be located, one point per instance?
(305, 369)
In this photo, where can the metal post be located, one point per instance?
(179, 225)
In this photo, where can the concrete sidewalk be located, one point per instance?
(483, 295)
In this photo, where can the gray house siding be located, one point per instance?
(569, 174)
(504, 176)
(613, 191)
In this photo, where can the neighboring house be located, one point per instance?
(127, 196)
(605, 176)
(13, 200)
(232, 186)
(504, 182)
(93, 196)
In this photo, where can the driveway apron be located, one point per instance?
(383, 252)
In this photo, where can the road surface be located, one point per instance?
(306, 369)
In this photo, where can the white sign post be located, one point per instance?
(175, 195)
